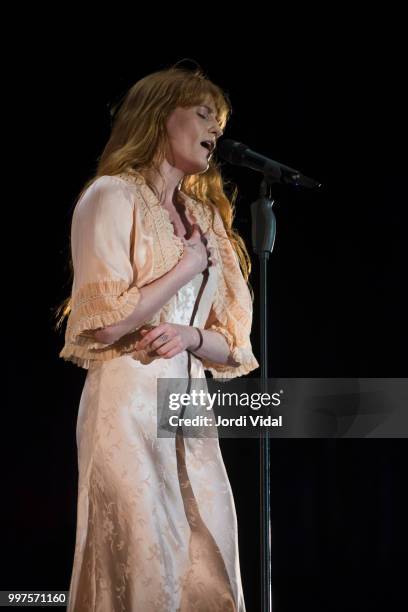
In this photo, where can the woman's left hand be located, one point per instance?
(168, 339)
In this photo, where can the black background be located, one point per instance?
(330, 106)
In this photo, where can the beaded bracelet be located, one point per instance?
(201, 341)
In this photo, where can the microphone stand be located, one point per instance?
(263, 239)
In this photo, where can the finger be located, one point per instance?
(193, 236)
(174, 343)
(173, 352)
(212, 261)
(196, 230)
(204, 237)
(152, 335)
(162, 340)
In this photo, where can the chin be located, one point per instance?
(201, 168)
(188, 167)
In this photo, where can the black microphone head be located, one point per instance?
(231, 150)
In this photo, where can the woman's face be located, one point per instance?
(187, 130)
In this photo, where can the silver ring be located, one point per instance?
(165, 338)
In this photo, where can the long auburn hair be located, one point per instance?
(138, 138)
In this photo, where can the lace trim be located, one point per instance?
(243, 356)
(239, 318)
(84, 356)
(232, 307)
(244, 359)
(168, 248)
(94, 306)
(101, 304)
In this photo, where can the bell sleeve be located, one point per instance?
(104, 290)
(231, 311)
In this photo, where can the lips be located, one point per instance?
(208, 144)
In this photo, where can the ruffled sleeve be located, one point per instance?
(231, 311)
(104, 289)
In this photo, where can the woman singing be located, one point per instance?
(159, 291)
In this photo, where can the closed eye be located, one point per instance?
(207, 117)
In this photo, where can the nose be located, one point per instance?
(217, 130)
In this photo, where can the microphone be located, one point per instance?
(240, 155)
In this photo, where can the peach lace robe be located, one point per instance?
(156, 522)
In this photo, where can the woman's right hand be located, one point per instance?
(197, 256)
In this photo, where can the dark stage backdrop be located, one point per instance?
(336, 309)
